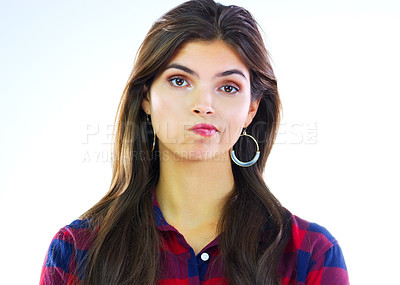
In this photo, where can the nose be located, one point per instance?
(203, 104)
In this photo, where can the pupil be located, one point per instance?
(179, 81)
(228, 88)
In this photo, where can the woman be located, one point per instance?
(188, 203)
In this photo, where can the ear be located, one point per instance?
(252, 111)
(146, 101)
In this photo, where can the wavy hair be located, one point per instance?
(254, 228)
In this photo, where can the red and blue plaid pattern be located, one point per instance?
(312, 257)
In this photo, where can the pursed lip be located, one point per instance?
(205, 130)
(204, 127)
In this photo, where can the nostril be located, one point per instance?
(199, 111)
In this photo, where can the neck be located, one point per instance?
(192, 193)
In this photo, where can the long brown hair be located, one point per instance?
(254, 227)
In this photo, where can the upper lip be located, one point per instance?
(203, 126)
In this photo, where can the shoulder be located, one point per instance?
(77, 235)
(309, 237)
(312, 255)
(67, 250)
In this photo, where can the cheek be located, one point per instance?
(156, 107)
(235, 117)
(237, 125)
(165, 115)
(164, 102)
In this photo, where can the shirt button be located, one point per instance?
(204, 256)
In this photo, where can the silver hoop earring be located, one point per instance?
(154, 141)
(248, 163)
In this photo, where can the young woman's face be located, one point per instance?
(204, 83)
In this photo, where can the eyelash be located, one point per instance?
(235, 88)
(172, 81)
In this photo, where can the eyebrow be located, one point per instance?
(192, 72)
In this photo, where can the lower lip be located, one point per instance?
(205, 132)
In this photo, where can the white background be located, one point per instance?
(63, 67)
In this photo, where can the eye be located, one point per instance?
(229, 89)
(178, 82)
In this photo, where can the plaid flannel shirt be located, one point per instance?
(312, 256)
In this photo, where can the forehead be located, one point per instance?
(204, 53)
